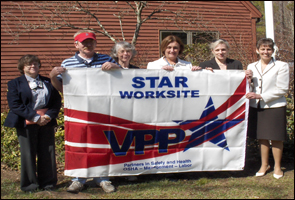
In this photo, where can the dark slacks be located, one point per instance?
(37, 142)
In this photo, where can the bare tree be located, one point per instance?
(55, 15)
(284, 26)
(58, 16)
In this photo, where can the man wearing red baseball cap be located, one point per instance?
(85, 35)
(85, 42)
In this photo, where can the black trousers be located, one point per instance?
(37, 142)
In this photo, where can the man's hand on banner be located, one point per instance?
(56, 71)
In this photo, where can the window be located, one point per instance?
(191, 37)
(182, 35)
(203, 37)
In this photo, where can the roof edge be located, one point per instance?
(255, 13)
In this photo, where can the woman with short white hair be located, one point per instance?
(122, 53)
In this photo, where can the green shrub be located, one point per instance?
(60, 141)
(290, 118)
(196, 53)
(10, 149)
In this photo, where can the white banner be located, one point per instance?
(137, 121)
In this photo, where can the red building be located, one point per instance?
(25, 29)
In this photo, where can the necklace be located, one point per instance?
(173, 65)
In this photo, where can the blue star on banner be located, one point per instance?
(210, 130)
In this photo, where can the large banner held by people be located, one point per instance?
(137, 121)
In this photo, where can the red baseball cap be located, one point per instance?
(83, 36)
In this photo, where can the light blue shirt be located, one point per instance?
(39, 95)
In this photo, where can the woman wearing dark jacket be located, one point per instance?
(34, 106)
(220, 50)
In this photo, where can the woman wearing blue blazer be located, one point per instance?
(34, 106)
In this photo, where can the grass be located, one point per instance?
(190, 185)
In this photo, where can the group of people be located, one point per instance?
(34, 102)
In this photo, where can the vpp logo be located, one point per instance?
(201, 131)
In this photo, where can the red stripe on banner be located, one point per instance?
(90, 133)
(78, 160)
(94, 117)
(237, 112)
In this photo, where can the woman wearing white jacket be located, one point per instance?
(267, 114)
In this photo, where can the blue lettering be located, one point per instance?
(141, 95)
(149, 94)
(160, 93)
(115, 144)
(178, 94)
(171, 94)
(185, 93)
(180, 80)
(141, 140)
(165, 82)
(123, 95)
(152, 81)
(163, 138)
(195, 93)
(144, 138)
(138, 82)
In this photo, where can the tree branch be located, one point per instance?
(97, 20)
